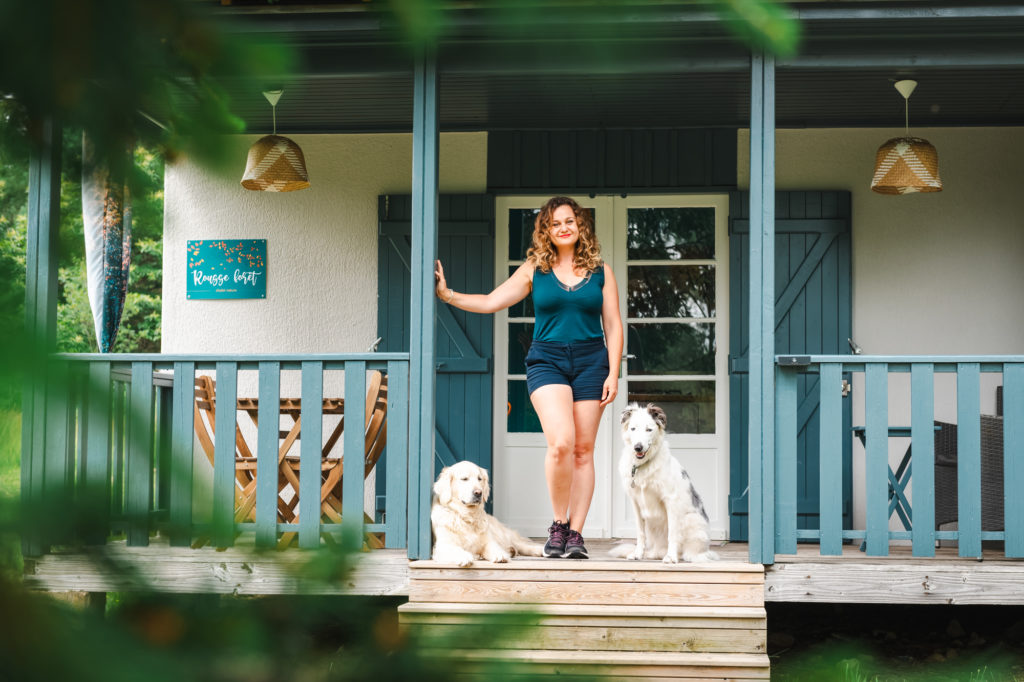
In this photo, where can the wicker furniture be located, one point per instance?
(946, 510)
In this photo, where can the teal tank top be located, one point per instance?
(567, 314)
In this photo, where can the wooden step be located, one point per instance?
(644, 620)
(625, 665)
(607, 628)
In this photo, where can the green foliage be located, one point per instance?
(113, 67)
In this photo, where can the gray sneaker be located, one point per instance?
(574, 548)
(555, 546)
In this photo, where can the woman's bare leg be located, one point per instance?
(587, 418)
(554, 407)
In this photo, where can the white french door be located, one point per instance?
(670, 259)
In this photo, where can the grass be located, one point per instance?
(11, 564)
(10, 454)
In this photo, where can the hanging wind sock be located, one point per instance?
(107, 219)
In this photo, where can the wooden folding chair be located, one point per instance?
(331, 470)
(205, 424)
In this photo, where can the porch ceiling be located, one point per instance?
(659, 67)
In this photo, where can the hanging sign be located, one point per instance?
(227, 268)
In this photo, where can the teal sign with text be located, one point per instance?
(227, 268)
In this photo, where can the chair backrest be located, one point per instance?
(205, 419)
(376, 428)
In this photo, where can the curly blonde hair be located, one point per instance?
(542, 253)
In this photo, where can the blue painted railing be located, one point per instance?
(121, 427)
(874, 375)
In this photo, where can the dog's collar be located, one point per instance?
(632, 474)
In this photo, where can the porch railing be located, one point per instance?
(912, 489)
(120, 430)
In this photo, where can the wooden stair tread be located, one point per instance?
(596, 565)
(610, 610)
(659, 658)
(632, 574)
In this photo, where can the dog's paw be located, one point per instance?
(501, 558)
(635, 555)
(670, 559)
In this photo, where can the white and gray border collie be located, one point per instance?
(670, 519)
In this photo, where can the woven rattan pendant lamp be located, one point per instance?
(905, 165)
(275, 163)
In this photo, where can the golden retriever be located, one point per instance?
(462, 530)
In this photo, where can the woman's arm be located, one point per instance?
(612, 322)
(508, 293)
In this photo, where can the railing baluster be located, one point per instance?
(119, 437)
(397, 457)
(224, 486)
(922, 471)
(830, 458)
(309, 453)
(77, 426)
(785, 459)
(267, 440)
(968, 445)
(139, 460)
(1013, 457)
(876, 437)
(56, 484)
(354, 462)
(97, 447)
(182, 438)
(165, 411)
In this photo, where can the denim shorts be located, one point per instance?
(582, 365)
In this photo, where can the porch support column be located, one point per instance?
(761, 408)
(422, 351)
(40, 318)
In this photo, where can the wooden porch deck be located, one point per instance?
(804, 577)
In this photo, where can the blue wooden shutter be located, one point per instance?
(465, 341)
(812, 316)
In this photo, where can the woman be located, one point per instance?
(572, 367)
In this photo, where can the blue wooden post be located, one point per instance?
(182, 436)
(1013, 453)
(922, 440)
(309, 454)
(876, 458)
(352, 482)
(97, 444)
(267, 441)
(830, 458)
(968, 458)
(397, 459)
(786, 427)
(762, 309)
(422, 351)
(138, 475)
(224, 455)
(40, 314)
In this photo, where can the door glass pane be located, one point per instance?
(671, 348)
(671, 291)
(525, 307)
(520, 335)
(521, 416)
(671, 233)
(520, 231)
(689, 405)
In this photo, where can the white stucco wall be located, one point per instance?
(321, 243)
(321, 257)
(933, 274)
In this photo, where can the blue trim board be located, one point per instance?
(761, 424)
(422, 350)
